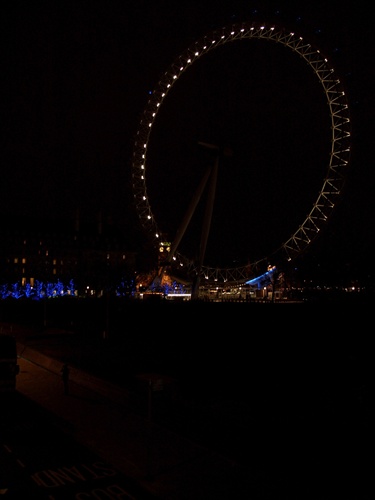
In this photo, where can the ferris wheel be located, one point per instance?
(334, 174)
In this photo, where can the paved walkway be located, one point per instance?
(97, 414)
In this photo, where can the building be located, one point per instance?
(95, 255)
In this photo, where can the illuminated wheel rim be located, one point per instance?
(339, 156)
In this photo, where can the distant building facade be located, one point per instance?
(94, 257)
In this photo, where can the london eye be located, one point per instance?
(334, 171)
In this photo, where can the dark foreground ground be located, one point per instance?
(292, 381)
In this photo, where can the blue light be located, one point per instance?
(263, 279)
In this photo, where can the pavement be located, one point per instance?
(99, 415)
(307, 437)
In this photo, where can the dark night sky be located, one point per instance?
(76, 80)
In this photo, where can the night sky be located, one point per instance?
(76, 81)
